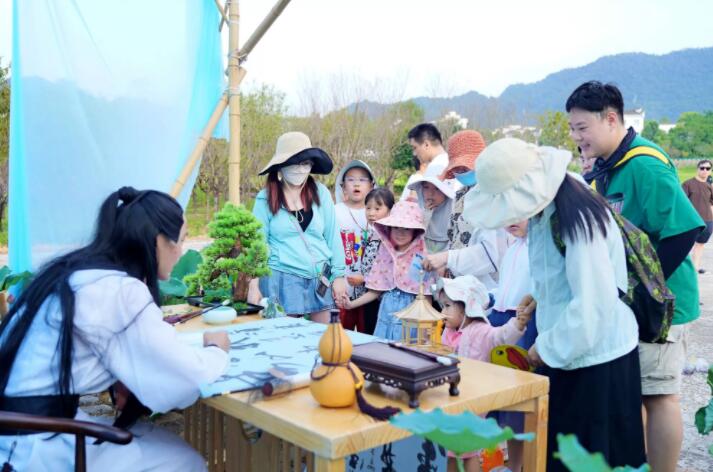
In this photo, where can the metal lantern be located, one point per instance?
(420, 323)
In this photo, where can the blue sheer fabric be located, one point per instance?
(102, 95)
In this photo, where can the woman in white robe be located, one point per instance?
(114, 333)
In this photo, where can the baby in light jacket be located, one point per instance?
(465, 302)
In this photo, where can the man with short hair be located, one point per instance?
(641, 182)
(427, 146)
(700, 193)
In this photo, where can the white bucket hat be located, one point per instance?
(468, 290)
(295, 147)
(516, 180)
(432, 176)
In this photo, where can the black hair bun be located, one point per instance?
(127, 194)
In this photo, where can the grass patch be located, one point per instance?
(688, 172)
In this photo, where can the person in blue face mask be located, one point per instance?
(469, 251)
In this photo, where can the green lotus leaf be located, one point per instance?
(461, 433)
(577, 459)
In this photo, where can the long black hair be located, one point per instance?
(128, 224)
(580, 211)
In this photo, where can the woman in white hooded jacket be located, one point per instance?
(89, 321)
(587, 336)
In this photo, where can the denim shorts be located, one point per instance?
(297, 295)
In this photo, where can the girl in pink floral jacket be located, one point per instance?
(392, 274)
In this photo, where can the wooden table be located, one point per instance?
(300, 431)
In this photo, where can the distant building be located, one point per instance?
(635, 119)
(666, 127)
(517, 131)
(453, 118)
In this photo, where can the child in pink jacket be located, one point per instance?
(465, 301)
(392, 274)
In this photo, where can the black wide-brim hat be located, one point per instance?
(295, 147)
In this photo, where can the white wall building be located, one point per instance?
(635, 119)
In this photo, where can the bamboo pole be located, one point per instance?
(234, 103)
(200, 146)
(223, 19)
(262, 28)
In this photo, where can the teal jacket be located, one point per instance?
(294, 254)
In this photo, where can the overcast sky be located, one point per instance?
(406, 48)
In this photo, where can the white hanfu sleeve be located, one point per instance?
(479, 258)
(147, 356)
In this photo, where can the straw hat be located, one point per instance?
(295, 147)
(463, 149)
(468, 290)
(404, 214)
(432, 175)
(516, 181)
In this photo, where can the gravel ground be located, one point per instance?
(695, 392)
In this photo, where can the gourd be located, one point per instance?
(335, 380)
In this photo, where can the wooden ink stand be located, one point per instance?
(412, 372)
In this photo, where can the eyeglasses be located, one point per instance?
(353, 180)
(704, 168)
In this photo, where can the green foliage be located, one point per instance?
(692, 137)
(704, 415)
(173, 290)
(457, 433)
(402, 157)
(238, 253)
(577, 459)
(652, 132)
(555, 131)
(8, 279)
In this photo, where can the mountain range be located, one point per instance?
(663, 85)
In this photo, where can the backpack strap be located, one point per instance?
(636, 152)
(643, 151)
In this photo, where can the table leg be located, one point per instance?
(535, 459)
(322, 464)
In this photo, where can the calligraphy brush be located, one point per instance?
(178, 319)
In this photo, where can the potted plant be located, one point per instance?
(237, 254)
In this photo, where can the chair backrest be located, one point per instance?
(80, 429)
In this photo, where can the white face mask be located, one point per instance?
(297, 174)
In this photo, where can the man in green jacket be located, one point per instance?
(641, 182)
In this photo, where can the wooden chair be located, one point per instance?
(80, 430)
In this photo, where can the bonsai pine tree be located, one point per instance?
(237, 254)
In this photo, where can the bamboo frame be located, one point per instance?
(262, 28)
(200, 146)
(231, 99)
(233, 104)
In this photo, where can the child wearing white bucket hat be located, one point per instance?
(465, 302)
(587, 337)
(435, 197)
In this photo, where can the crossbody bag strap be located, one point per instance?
(301, 232)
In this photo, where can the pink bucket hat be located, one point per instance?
(404, 214)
